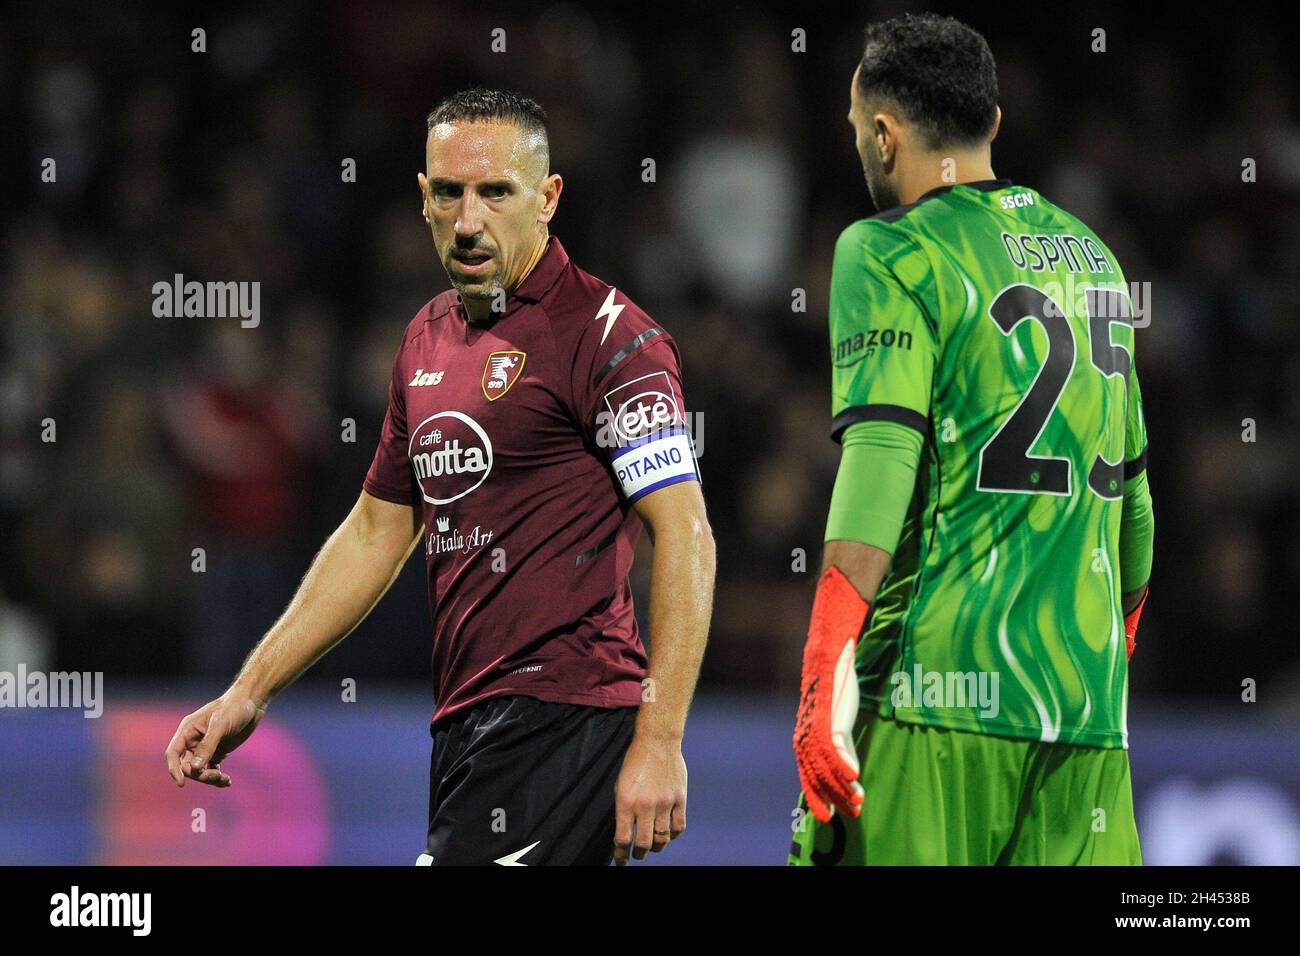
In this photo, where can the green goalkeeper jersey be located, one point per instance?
(1000, 327)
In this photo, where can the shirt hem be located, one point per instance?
(603, 701)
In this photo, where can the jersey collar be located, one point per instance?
(539, 281)
(986, 185)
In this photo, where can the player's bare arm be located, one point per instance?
(354, 569)
(650, 796)
(863, 564)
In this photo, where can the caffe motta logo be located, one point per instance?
(451, 455)
(501, 370)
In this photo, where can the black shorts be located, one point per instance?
(516, 780)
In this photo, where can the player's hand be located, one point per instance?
(1131, 625)
(823, 738)
(828, 702)
(205, 737)
(649, 799)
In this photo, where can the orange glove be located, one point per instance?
(828, 705)
(1131, 624)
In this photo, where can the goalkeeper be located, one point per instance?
(989, 541)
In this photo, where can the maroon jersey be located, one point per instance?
(525, 443)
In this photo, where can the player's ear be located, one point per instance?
(997, 123)
(885, 135)
(552, 186)
(424, 195)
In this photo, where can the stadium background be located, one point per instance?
(175, 434)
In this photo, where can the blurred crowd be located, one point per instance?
(164, 481)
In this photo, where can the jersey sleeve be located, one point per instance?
(883, 346)
(1135, 430)
(633, 406)
(390, 476)
(874, 484)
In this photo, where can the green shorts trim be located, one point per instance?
(948, 797)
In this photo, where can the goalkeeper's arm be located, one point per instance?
(872, 490)
(1136, 534)
(873, 487)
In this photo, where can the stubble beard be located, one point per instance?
(882, 191)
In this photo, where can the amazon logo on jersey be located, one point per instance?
(855, 348)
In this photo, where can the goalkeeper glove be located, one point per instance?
(828, 705)
(1131, 624)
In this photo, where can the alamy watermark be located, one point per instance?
(75, 908)
(946, 690)
(613, 433)
(208, 300)
(75, 690)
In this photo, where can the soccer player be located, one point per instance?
(965, 675)
(536, 420)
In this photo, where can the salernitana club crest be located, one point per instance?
(500, 372)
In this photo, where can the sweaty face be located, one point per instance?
(883, 192)
(482, 201)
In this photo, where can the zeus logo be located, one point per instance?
(425, 378)
(642, 405)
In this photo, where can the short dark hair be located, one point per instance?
(490, 105)
(938, 72)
